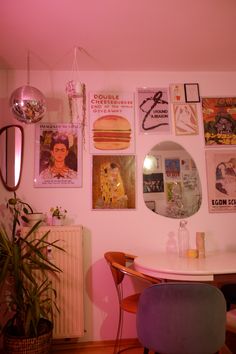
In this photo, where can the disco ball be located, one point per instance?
(28, 104)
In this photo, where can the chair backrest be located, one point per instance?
(119, 258)
(182, 318)
(120, 263)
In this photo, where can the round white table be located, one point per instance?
(215, 267)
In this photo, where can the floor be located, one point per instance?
(231, 342)
(107, 350)
(99, 349)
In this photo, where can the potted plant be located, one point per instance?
(25, 284)
(58, 215)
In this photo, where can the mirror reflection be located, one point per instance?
(11, 147)
(171, 183)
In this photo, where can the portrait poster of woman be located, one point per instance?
(113, 182)
(58, 160)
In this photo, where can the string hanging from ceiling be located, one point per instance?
(27, 103)
(76, 92)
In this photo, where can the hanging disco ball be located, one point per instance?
(28, 104)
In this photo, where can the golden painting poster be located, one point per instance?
(221, 180)
(111, 123)
(219, 119)
(113, 182)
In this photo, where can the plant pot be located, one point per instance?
(56, 221)
(35, 217)
(36, 345)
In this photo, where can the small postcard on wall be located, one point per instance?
(185, 118)
(177, 93)
(153, 110)
(221, 180)
(219, 118)
(111, 123)
(58, 155)
(113, 182)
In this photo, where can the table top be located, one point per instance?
(172, 267)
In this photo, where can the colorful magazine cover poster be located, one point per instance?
(221, 180)
(112, 123)
(113, 182)
(153, 110)
(219, 118)
(58, 155)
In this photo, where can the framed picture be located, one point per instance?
(177, 93)
(113, 182)
(174, 192)
(58, 155)
(192, 93)
(153, 183)
(221, 180)
(152, 163)
(151, 205)
(112, 123)
(219, 118)
(153, 110)
(185, 118)
(172, 168)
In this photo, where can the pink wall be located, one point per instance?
(132, 230)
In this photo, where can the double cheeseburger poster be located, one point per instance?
(112, 123)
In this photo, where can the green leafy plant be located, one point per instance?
(25, 284)
(58, 212)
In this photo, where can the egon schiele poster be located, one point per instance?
(221, 179)
(219, 118)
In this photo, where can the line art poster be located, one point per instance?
(153, 110)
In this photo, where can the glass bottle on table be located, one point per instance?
(183, 238)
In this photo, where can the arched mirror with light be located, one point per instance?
(11, 147)
(171, 183)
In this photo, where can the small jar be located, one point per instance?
(200, 244)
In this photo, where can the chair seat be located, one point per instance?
(130, 303)
(231, 321)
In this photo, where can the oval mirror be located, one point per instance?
(11, 147)
(171, 183)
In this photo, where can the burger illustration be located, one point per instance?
(111, 132)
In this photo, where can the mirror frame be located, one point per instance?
(12, 189)
(157, 166)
